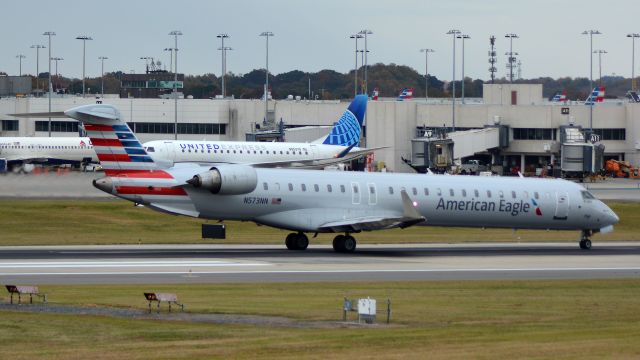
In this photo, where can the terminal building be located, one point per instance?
(512, 126)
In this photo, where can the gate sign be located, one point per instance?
(595, 138)
(428, 133)
(564, 111)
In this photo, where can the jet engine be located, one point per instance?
(227, 180)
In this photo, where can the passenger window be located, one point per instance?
(329, 188)
(439, 191)
(426, 192)
(290, 187)
(464, 193)
(316, 187)
(415, 191)
(390, 190)
(476, 193)
(536, 195)
(372, 189)
(451, 192)
(488, 193)
(265, 186)
(513, 194)
(342, 189)
(355, 188)
(501, 194)
(303, 187)
(526, 194)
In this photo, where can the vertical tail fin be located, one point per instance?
(118, 149)
(405, 94)
(346, 131)
(597, 95)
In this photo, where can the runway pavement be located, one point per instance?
(260, 263)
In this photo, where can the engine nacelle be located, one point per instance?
(227, 180)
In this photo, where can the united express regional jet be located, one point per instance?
(310, 201)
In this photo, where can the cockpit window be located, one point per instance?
(151, 149)
(587, 195)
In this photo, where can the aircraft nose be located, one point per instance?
(611, 218)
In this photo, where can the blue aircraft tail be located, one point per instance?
(346, 131)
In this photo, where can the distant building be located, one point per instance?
(15, 85)
(152, 85)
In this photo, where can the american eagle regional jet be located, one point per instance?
(312, 201)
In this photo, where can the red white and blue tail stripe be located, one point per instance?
(597, 96)
(131, 172)
(406, 94)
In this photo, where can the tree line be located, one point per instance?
(389, 79)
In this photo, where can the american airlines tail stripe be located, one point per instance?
(114, 165)
(135, 151)
(146, 174)
(145, 159)
(150, 190)
(131, 143)
(101, 135)
(93, 127)
(121, 128)
(106, 142)
(114, 157)
(109, 150)
(122, 135)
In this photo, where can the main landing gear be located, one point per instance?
(344, 243)
(585, 242)
(297, 241)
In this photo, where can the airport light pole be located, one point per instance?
(426, 72)
(49, 34)
(84, 39)
(20, 57)
(512, 59)
(591, 33)
(175, 35)
(102, 59)
(38, 47)
(223, 61)
(633, 37)
(454, 34)
(170, 50)
(267, 35)
(599, 52)
(366, 32)
(56, 59)
(146, 62)
(463, 37)
(355, 72)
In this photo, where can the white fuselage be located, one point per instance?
(47, 149)
(235, 152)
(305, 200)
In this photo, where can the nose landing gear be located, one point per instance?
(344, 243)
(585, 242)
(297, 241)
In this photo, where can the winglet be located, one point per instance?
(409, 210)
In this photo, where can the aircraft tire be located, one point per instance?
(338, 243)
(585, 244)
(349, 244)
(290, 241)
(301, 242)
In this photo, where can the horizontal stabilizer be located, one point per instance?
(54, 114)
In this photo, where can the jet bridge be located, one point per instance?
(436, 148)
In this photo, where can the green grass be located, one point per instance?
(453, 319)
(75, 222)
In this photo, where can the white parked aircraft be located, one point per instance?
(18, 151)
(339, 146)
(308, 201)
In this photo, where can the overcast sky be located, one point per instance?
(314, 35)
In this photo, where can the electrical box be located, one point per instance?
(214, 231)
(367, 310)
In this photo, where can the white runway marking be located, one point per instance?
(120, 264)
(332, 271)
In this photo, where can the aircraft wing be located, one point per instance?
(409, 217)
(26, 158)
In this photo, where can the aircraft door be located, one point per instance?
(170, 152)
(355, 193)
(562, 206)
